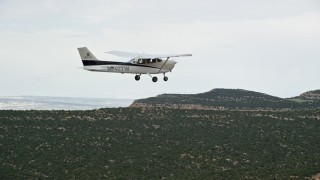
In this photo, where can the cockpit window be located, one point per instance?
(152, 60)
(143, 61)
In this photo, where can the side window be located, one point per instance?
(141, 61)
(134, 61)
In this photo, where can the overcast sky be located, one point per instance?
(270, 46)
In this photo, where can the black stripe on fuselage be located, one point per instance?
(99, 63)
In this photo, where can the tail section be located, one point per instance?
(85, 54)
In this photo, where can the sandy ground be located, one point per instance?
(317, 177)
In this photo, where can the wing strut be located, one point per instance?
(164, 64)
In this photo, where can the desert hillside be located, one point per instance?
(159, 143)
(232, 99)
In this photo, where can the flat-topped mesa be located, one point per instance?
(235, 94)
(227, 99)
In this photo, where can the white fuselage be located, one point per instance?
(135, 66)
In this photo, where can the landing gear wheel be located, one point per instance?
(137, 77)
(154, 79)
(165, 78)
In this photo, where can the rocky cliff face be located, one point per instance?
(310, 95)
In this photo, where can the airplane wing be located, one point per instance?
(169, 55)
(146, 56)
(124, 54)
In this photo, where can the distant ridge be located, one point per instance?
(59, 103)
(232, 99)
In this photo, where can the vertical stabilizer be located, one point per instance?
(85, 54)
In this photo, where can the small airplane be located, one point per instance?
(138, 63)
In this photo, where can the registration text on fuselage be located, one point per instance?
(118, 68)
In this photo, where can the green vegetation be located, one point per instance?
(299, 100)
(154, 143)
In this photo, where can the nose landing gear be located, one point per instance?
(165, 78)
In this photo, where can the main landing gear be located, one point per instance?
(137, 77)
(154, 78)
